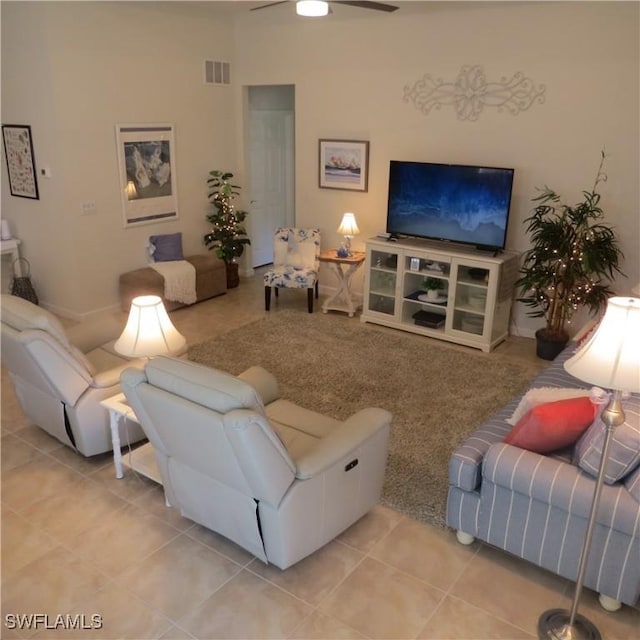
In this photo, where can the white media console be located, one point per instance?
(473, 307)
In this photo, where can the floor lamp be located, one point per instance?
(609, 359)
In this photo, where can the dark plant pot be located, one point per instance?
(549, 345)
(233, 279)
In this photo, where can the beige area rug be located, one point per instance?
(336, 365)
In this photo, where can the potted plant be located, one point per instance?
(572, 256)
(228, 235)
(433, 286)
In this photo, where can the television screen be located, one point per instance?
(457, 203)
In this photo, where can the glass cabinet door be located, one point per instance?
(383, 274)
(470, 305)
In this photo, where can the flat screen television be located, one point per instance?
(454, 203)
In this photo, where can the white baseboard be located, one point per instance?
(63, 312)
(521, 332)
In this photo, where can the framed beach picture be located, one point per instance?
(21, 164)
(344, 164)
(147, 167)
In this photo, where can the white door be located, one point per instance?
(271, 164)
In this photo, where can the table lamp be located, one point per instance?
(149, 331)
(348, 228)
(609, 359)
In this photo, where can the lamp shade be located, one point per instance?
(611, 357)
(348, 226)
(149, 331)
(131, 191)
(312, 8)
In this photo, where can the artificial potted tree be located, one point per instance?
(572, 258)
(228, 235)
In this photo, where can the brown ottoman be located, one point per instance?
(211, 280)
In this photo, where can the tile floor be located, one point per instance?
(77, 541)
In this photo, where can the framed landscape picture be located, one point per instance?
(147, 166)
(344, 164)
(21, 164)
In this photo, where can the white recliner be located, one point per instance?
(61, 376)
(279, 480)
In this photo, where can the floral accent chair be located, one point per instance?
(295, 263)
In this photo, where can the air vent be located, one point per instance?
(216, 72)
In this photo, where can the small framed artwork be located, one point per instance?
(147, 167)
(21, 164)
(414, 265)
(344, 164)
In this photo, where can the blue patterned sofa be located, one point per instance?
(537, 506)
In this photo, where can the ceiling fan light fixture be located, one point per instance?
(312, 8)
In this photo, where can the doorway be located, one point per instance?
(271, 166)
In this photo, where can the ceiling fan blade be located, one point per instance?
(377, 6)
(271, 4)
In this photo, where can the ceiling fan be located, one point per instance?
(361, 4)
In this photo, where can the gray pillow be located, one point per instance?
(167, 247)
(624, 451)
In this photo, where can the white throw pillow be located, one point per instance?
(542, 395)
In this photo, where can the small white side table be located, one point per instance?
(344, 268)
(142, 459)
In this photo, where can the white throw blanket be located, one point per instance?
(179, 280)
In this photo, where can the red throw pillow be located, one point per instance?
(552, 425)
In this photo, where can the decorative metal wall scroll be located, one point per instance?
(470, 93)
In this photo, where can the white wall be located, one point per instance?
(350, 75)
(73, 71)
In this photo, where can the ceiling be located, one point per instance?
(241, 9)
